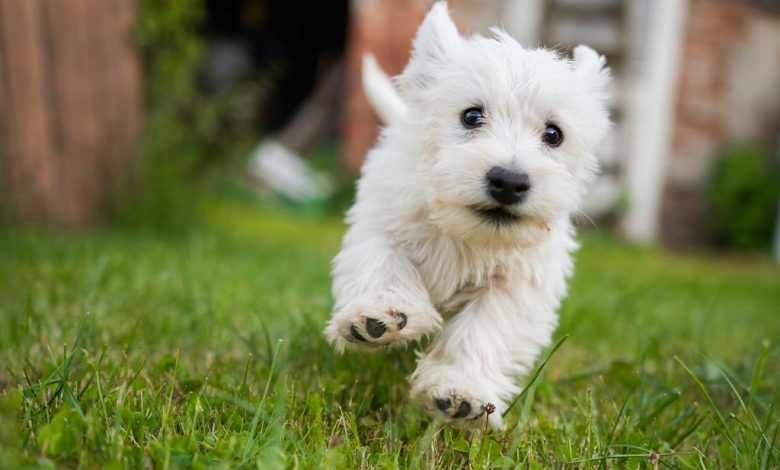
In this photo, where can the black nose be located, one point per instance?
(507, 187)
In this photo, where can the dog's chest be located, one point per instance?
(454, 273)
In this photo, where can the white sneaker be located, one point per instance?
(286, 172)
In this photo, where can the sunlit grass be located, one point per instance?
(205, 350)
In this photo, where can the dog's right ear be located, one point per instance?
(436, 40)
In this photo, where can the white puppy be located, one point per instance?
(462, 227)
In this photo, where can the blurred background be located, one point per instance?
(173, 181)
(130, 113)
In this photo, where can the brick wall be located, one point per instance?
(386, 29)
(729, 77)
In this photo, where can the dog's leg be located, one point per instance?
(481, 353)
(380, 298)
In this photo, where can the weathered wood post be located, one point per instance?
(70, 106)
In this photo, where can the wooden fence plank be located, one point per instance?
(71, 105)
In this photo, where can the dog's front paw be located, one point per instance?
(374, 322)
(457, 399)
(375, 328)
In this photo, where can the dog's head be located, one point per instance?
(507, 134)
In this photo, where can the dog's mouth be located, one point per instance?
(497, 216)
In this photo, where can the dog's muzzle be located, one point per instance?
(497, 216)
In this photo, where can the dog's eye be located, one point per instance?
(472, 118)
(552, 136)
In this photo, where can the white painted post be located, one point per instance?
(523, 20)
(651, 116)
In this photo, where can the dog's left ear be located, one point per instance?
(434, 43)
(591, 69)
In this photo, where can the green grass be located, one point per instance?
(204, 350)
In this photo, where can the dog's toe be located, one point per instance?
(464, 409)
(374, 328)
(443, 404)
(399, 318)
(355, 334)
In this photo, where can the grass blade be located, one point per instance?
(724, 426)
(535, 374)
(253, 428)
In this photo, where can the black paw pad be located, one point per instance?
(443, 403)
(374, 327)
(402, 321)
(463, 410)
(355, 334)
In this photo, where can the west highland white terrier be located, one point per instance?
(462, 226)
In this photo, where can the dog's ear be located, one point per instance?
(436, 40)
(591, 69)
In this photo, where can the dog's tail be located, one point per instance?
(381, 92)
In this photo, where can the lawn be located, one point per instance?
(204, 349)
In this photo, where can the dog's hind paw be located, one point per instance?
(459, 409)
(457, 400)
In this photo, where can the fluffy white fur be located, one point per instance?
(418, 260)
